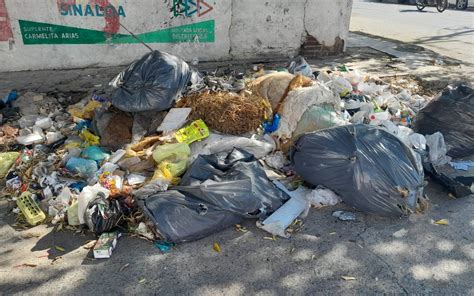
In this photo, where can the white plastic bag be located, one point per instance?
(340, 86)
(418, 141)
(216, 143)
(438, 149)
(321, 197)
(87, 194)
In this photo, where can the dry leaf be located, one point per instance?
(348, 278)
(441, 222)
(60, 248)
(123, 267)
(217, 248)
(26, 265)
(240, 228)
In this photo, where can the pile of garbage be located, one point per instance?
(174, 154)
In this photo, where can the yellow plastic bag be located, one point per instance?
(90, 138)
(172, 160)
(7, 159)
(73, 214)
(86, 112)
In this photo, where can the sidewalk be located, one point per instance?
(392, 256)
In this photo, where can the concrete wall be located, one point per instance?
(47, 34)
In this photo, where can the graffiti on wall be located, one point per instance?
(34, 33)
(189, 8)
(6, 33)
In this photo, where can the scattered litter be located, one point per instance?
(240, 228)
(89, 244)
(105, 245)
(462, 165)
(123, 267)
(344, 215)
(164, 246)
(348, 278)
(279, 221)
(174, 155)
(441, 222)
(321, 197)
(174, 120)
(217, 248)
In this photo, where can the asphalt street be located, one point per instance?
(450, 33)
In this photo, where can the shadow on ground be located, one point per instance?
(396, 256)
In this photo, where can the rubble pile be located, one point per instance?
(174, 154)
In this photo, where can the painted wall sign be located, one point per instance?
(44, 33)
(35, 32)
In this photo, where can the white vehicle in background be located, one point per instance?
(459, 4)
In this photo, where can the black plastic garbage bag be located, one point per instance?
(181, 218)
(456, 182)
(102, 214)
(452, 114)
(152, 83)
(371, 169)
(217, 191)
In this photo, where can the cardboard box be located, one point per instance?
(106, 244)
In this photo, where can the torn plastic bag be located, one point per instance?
(300, 66)
(102, 214)
(217, 191)
(7, 159)
(451, 179)
(317, 118)
(215, 143)
(299, 101)
(181, 218)
(437, 149)
(152, 83)
(371, 169)
(452, 114)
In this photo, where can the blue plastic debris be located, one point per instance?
(164, 246)
(272, 126)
